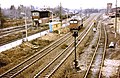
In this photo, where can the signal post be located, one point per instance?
(75, 34)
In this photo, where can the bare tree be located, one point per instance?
(2, 20)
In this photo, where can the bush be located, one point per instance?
(93, 46)
(4, 60)
(56, 31)
(64, 46)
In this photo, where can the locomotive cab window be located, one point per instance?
(35, 14)
(75, 21)
(71, 22)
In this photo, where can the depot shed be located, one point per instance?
(54, 26)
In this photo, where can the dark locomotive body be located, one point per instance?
(76, 24)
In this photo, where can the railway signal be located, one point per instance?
(75, 28)
(75, 34)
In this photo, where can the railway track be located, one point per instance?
(13, 72)
(95, 67)
(31, 60)
(52, 66)
(12, 30)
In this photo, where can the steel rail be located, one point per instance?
(69, 53)
(95, 52)
(48, 47)
(27, 60)
(82, 35)
(104, 53)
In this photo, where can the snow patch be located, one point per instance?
(110, 67)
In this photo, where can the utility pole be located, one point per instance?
(25, 16)
(80, 12)
(60, 12)
(26, 27)
(0, 20)
(0, 17)
(116, 20)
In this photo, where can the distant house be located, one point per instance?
(113, 12)
(39, 17)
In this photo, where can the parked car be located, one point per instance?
(112, 45)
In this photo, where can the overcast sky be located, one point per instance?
(71, 4)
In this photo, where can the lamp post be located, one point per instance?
(25, 25)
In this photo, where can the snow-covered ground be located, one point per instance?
(110, 67)
(85, 57)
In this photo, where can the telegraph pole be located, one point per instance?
(116, 19)
(26, 33)
(80, 12)
(0, 17)
(60, 12)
